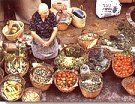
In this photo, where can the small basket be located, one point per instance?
(126, 81)
(87, 93)
(30, 90)
(78, 22)
(39, 85)
(20, 73)
(107, 54)
(66, 90)
(15, 36)
(87, 43)
(63, 24)
(117, 73)
(16, 78)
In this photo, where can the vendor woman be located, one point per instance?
(43, 30)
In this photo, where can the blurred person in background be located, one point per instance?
(18, 9)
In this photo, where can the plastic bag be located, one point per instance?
(107, 8)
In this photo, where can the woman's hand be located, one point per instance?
(46, 44)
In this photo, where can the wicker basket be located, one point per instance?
(87, 43)
(63, 24)
(29, 90)
(87, 93)
(16, 78)
(125, 82)
(39, 85)
(117, 73)
(107, 54)
(70, 52)
(15, 36)
(66, 90)
(20, 73)
(78, 22)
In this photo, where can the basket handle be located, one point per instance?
(81, 7)
(18, 24)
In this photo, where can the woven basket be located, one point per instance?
(87, 43)
(31, 89)
(107, 54)
(39, 85)
(64, 89)
(78, 22)
(115, 72)
(125, 83)
(63, 24)
(87, 93)
(15, 36)
(21, 74)
(16, 78)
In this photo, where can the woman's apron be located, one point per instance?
(45, 52)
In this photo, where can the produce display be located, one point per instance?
(14, 29)
(11, 87)
(88, 40)
(65, 80)
(31, 94)
(16, 65)
(91, 82)
(121, 42)
(129, 84)
(71, 58)
(41, 75)
(99, 59)
(122, 64)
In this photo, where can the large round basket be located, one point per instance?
(65, 76)
(91, 94)
(99, 55)
(88, 40)
(20, 80)
(15, 36)
(32, 94)
(114, 59)
(71, 57)
(38, 84)
(129, 84)
(17, 70)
